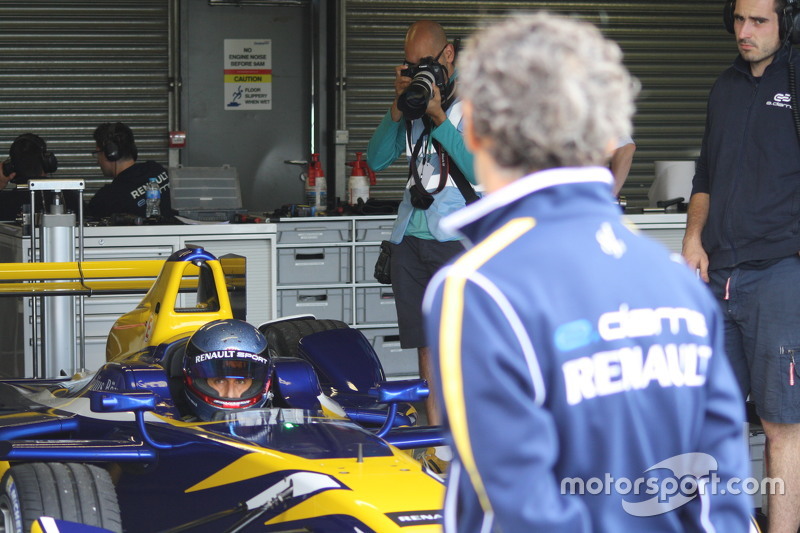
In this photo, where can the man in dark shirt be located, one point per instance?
(742, 229)
(116, 154)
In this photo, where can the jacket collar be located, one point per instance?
(781, 60)
(522, 187)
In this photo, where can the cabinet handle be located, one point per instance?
(306, 298)
(309, 257)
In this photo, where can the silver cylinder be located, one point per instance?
(58, 317)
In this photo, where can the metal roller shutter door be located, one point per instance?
(65, 67)
(676, 48)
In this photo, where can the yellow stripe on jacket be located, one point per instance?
(450, 340)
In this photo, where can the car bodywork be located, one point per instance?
(300, 465)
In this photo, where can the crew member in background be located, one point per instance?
(742, 229)
(420, 247)
(620, 163)
(28, 158)
(572, 353)
(116, 153)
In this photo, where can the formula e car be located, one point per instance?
(117, 449)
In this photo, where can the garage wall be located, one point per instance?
(65, 67)
(676, 48)
(256, 142)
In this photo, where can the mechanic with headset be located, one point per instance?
(226, 367)
(28, 158)
(742, 233)
(424, 121)
(116, 154)
(581, 366)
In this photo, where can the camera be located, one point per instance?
(413, 102)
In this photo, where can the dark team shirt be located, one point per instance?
(126, 193)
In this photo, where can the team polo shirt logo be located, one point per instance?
(781, 100)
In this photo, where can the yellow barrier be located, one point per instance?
(86, 278)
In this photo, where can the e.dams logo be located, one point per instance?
(781, 100)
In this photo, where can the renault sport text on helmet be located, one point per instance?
(226, 350)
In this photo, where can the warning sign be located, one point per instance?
(248, 74)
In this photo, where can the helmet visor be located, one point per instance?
(229, 364)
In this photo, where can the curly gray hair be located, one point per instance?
(548, 91)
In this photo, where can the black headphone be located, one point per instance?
(788, 20)
(48, 159)
(110, 146)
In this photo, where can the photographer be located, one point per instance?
(425, 122)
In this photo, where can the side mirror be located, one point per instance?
(394, 392)
(109, 402)
(136, 402)
(406, 390)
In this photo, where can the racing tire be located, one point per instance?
(284, 337)
(65, 491)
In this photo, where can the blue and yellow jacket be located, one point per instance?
(576, 360)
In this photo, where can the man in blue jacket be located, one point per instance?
(428, 131)
(581, 366)
(742, 232)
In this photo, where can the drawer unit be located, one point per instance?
(366, 256)
(313, 232)
(397, 362)
(325, 268)
(373, 230)
(313, 266)
(334, 304)
(375, 305)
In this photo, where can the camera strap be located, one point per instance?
(464, 186)
(445, 168)
(413, 170)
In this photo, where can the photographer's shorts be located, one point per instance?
(762, 334)
(414, 262)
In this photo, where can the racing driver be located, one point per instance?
(226, 367)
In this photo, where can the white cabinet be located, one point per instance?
(325, 268)
(667, 228)
(256, 242)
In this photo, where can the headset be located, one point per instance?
(110, 146)
(48, 159)
(788, 20)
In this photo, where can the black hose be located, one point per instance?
(793, 93)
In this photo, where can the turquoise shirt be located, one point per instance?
(386, 145)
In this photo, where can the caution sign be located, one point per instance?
(248, 74)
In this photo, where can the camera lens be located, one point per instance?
(414, 101)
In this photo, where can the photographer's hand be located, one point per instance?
(400, 85)
(434, 109)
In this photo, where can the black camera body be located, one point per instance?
(413, 102)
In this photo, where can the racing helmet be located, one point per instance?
(226, 348)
